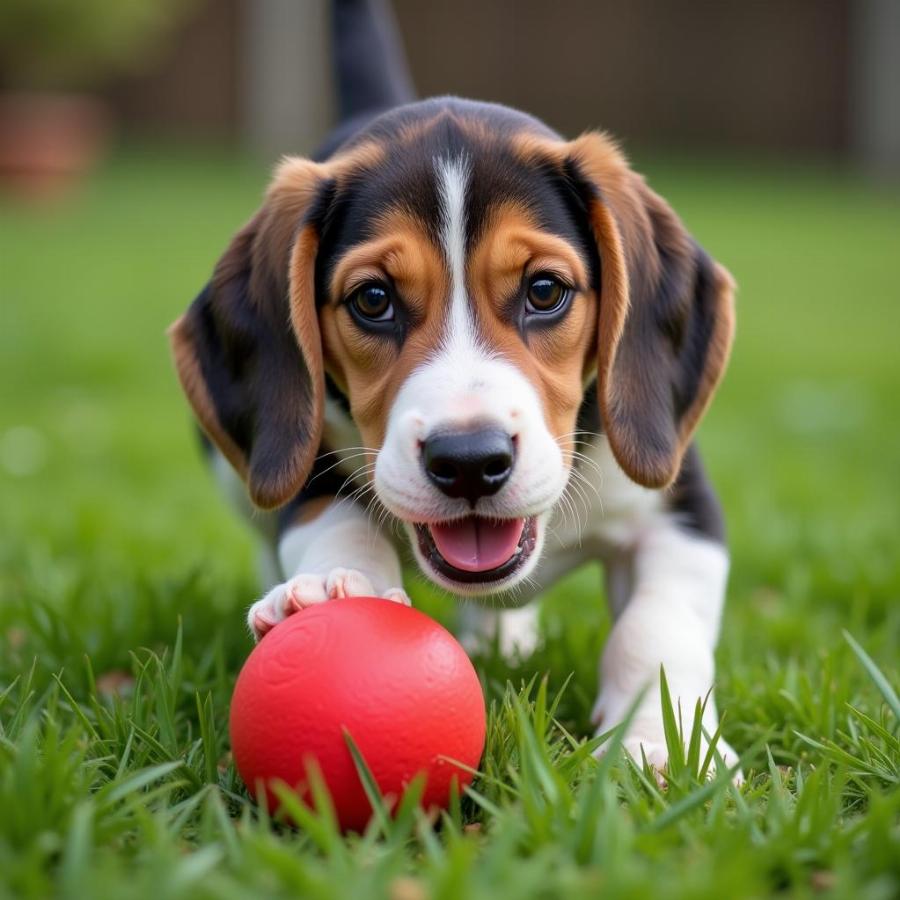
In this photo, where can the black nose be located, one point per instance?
(469, 464)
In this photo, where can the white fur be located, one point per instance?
(314, 558)
(453, 179)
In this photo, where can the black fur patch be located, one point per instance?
(588, 425)
(694, 502)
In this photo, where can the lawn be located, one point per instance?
(123, 579)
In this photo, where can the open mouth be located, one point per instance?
(478, 549)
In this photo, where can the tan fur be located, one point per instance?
(305, 324)
(194, 385)
(400, 250)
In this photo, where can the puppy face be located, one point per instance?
(460, 321)
(461, 274)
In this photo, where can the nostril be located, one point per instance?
(497, 467)
(443, 470)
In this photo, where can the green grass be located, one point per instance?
(118, 560)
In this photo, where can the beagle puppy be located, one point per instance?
(458, 335)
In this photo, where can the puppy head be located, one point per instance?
(462, 275)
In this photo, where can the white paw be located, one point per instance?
(347, 583)
(397, 595)
(647, 740)
(283, 600)
(305, 590)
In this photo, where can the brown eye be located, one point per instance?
(546, 294)
(372, 303)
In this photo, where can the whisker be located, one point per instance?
(342, 460)
(376, 514)
(598, 496)
(595, 434)
(585, 507)
(365, 469)
(568, 510)
(581, 457)
(579, 493)
(341, 450)
(578, 478)
(359, 491)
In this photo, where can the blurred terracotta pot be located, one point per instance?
(49, 141)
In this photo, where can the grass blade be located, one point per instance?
(139, 781)
(881, 682)
(674, 741)
(370, 786)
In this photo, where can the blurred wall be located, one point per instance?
(776, 76)
(766, 74)
(192, 88)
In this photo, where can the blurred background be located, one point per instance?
(808, 78)
(137, 135)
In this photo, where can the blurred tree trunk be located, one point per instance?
(875, 79)
(286, 103)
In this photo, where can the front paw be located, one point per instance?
(308, 589)
(646, 739)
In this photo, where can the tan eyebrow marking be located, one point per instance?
(538, 250)
(513, 244)
(367, 260)
(402, 251)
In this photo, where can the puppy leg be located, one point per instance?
(676, 587)
(338, 553)
(516, 629)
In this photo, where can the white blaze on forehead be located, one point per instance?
(453, 180)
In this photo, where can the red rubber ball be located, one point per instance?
(398, 682)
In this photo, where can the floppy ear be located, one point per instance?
(666, 317)
(248, 350)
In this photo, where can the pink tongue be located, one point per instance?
(476, 544)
